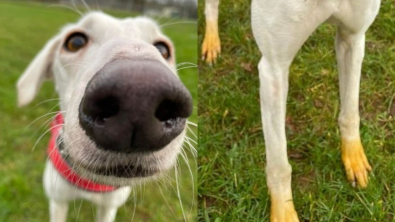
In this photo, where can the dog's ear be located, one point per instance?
(37, 71)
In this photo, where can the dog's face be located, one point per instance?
(124, 107)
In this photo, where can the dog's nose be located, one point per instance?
(134, 106)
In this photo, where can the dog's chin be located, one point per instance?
(115, 175)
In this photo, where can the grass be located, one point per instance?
(24, 29)
(231, 163)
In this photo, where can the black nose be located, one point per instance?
(134, 106)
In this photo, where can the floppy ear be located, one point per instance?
(37, 71)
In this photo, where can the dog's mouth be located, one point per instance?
(127, 171)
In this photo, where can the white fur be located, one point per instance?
(109, 39)
(280, 28)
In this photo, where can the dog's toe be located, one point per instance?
(283, 211)
(211, 47)
(355, 162)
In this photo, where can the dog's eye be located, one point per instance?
(75, 42)
(163, 49)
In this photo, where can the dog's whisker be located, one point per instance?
(167, 20)
(178, 192)
(192, 123)
(168, 182)
(190, 130)
(64, 6)
(188, 67)
(86, 5)
(165, 199)
(60, 69)
(184, 156)
(50, 153)
(134, 204)
(46, 123)
(188, 141)
(191, 146)
(164, 179)
(167, 178)
(143, 191)
(58, 104)
(193, 152)
(45, 101)
(44, 135)
(74, 64)
(186, 63)
(98, 6)
(176, 23)
(76, 8)
(192, 140)
(93, 212)
(159, 19)
(79, 210)
(42, 116)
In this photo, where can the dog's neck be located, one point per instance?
(55, 148)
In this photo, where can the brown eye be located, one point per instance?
(163, 49)
(75, 42)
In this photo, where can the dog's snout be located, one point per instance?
(134, 106)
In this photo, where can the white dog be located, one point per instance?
(123, 110)
(280, 28)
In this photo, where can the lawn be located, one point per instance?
(231, 163)
(24, 29)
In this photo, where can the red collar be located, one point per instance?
(64, 169)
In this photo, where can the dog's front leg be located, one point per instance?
(280, 28)
(106, 214)
(108, 203)
(349, 51)
(273, 95)
(58, 210)
(211, 46)
(350, 48)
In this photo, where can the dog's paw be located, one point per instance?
(355, 162)
(283, 211)
(211, 46)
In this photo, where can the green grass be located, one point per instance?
(24, 29)
(231, 177)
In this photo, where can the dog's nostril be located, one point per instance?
(102, 109)
(168, 110)
(109, 107)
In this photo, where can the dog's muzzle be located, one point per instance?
(134, 106)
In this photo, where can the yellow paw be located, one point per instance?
(355, 162)
(283, 211)
(211, 46)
